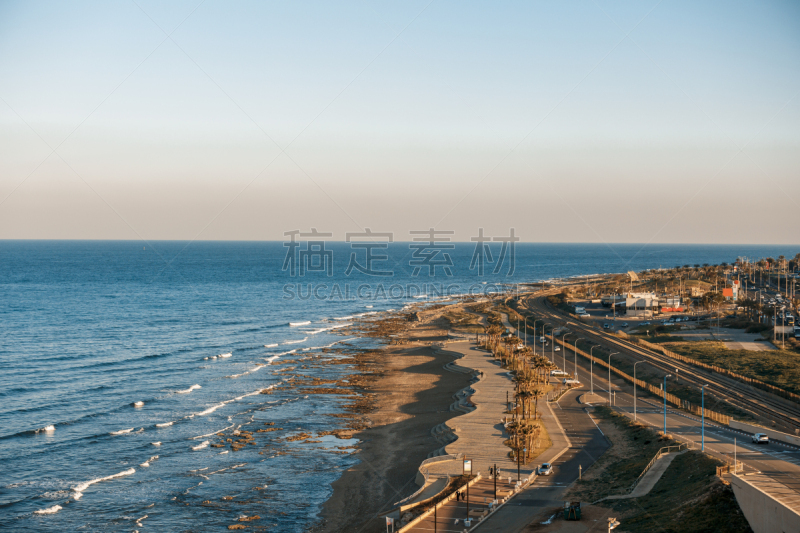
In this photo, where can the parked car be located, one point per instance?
(545, 470)
(761, 438)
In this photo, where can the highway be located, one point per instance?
(786, 414)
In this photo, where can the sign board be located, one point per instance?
(468, 466)
(727, 293)
(389, 521)
(672, 309)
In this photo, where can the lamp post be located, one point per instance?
(634, 387)
(665, 402)
(564, 339)
(575, 352)
(525, 333)
(591, 364)
(609, 377)
(534, 335)
(703, 417)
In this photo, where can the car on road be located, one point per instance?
(761, 438)
(624, 324)
(606, 326)
(645, 323)
(557, 348)
(545, 470)
(571, 382)
(558, 373)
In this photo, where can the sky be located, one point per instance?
(587, 121)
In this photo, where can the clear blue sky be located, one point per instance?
(569, 121)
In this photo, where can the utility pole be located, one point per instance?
(703, 417)
(634, 388)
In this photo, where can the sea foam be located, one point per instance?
(164, 424)
(121, 431)
(50, 510)
(304, 339)
(190, 389)
(200, 446)
(304, 323)
(78, 489)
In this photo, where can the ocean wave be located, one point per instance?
(156, 443)
(78, 489)
(138, 404)
(211, 409)
(190, 389)
(212, 433)
(46, 429)
(273, 358)
(225, 355)
(147, 463)
(164, 424)
(348, 317)
(329, 328)
(121, 432)
(304, 323)
(50, 510)
(223, 453)
(202, 445)
(304, 339)
(271, 345)
(368, 306)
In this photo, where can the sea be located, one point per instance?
(121, 360)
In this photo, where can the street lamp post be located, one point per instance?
(634, 387)
(665, 402)
(564, 339)
(609, 377)
(534, 335)
(703, 417)
(591, 364)
(575, 352)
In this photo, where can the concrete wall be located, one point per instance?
(763, 513)
(773, 435)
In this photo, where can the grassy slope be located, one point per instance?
(688, 498)
(778, 367)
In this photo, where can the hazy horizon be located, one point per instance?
(579, 122)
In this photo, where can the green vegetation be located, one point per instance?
(615, 472)
(688, 497)
(777, 367)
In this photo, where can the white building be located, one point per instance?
(641, 304)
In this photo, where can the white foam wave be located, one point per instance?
(211, 409)
(271, 359)
(200, 446)
(138, 404)
(46, 429)
(304, 339)
(368, 306)
(156, 443)
(164, 424)
(304, 323)
(223, 453)
(348, 317)
(78, 489)
(212, 433)
(224, 355)
(271, 345)
(50, 510)
(190, 389)
(286, 353)
(121, 431)
(139, 520)
(146, 464)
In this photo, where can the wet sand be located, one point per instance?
(412, 394)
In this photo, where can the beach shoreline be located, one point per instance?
(412, 393)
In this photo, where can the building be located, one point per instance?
(641, 304)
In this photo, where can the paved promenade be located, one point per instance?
(480, 438)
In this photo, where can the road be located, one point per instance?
(785, 413)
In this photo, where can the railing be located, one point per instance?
(730, 469)
(725, 372)
(663, 451)
(656, 391)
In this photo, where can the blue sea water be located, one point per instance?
(195, 331)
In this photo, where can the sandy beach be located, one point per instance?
(412, 394)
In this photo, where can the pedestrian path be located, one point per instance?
(480, 438)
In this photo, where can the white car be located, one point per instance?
(558, 373)
(545, 470)
(761, 438)
(557, 348)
